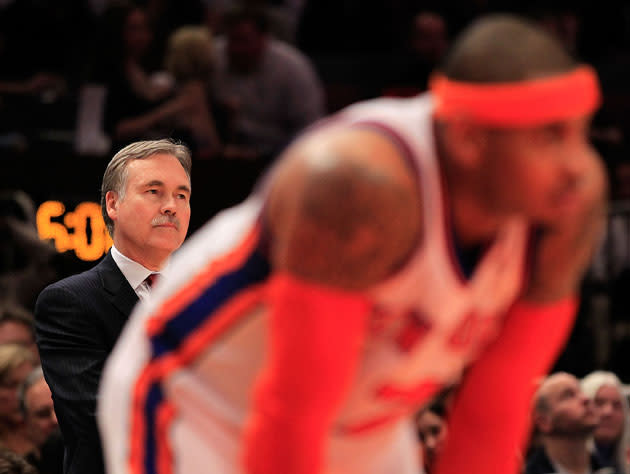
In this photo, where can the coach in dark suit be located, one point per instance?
(145, 204)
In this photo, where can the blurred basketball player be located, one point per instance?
(396, 248)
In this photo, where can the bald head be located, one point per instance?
(561, 408)
(505, 48)
(549, 387)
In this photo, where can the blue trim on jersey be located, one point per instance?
(255, 270)
(154, 399)
(177, 330)
(397, 140)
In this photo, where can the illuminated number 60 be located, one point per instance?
(87, 214)
(79, 221)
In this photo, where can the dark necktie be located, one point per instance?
(151, 279)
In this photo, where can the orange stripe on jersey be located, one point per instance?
(212, 329)
(224, 317)
(137, 431)
(200, 339)
(216, 268)
(166, 414)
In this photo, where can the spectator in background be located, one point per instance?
(189, 58)
(612, 433)
(16, 363)
(432, 430)
(40, 47)
(35, 84)
(11, 463)
(133, 85)
(612, 261)
(564, 23)
(564, 418)
(272, 87)
(41, 424)
(427, 44)
(166, 16)
(27, 264)
(17, 327)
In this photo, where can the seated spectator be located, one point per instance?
(11, 463)
(431, 427)
(272, 87)
(17, 327)
(133, 85)
(36, 84)
(166, 16)
(189, 59)
(426, 46)
(564, 420)
(41, 423)
(16, 363)
(26, 262)
(612, 434)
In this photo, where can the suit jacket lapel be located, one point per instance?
(116, 286)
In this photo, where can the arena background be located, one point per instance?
(354, 46)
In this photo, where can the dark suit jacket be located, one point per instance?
(77, 322)
(539, 463)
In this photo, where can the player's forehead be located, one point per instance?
(563, 129)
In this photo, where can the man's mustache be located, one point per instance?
(165, 219)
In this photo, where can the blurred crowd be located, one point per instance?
(239, 80)
(578, 426)
(236, 82)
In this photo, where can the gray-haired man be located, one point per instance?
(145, 200)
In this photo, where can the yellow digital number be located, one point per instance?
(87, 215)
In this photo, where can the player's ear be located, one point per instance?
(463, 141)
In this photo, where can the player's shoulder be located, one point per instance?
(391, 110)
(344, 206)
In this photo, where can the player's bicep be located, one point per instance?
(344, 211)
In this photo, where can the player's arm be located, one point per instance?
(494, 402)
(344, 214)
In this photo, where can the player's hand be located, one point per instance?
(566, 247)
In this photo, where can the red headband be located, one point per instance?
(520, 104)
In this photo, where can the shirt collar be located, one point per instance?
(134, 272)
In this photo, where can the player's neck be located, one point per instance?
(472, 220)
(570, 453)
(471, 224)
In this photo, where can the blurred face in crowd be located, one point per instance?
(40, 415)
(432, 433)
(245, 46)
(151, 217)
(13, 332)
(429, 39)
(9, 406)
(136, 34)
(621, 181)
(607, 405)
(569, 412)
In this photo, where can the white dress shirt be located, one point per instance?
(135, 273)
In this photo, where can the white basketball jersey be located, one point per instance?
(190, 355)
